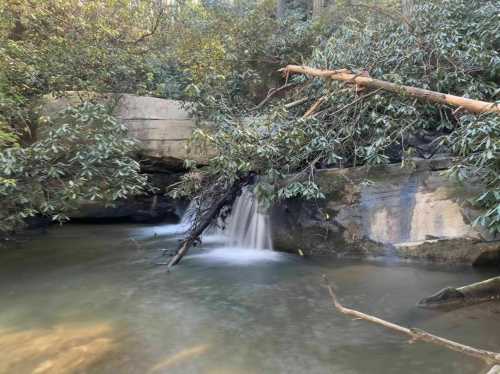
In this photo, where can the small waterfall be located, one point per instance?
(248, 227)
(245, 237)
(188, 216)
(184, 224)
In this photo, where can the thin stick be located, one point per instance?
(296, 102)
(352, 103)
(272, 93)
(314, 107)
(492, 358)
(475, 106)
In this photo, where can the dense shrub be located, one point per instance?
(82, 154)
(450, 46)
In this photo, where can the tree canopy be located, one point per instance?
(222, 58)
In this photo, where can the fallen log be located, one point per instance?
(475, 106)
(205, 220)
(475, 293)
(491, 358)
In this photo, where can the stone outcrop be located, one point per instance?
(140, 209)
(162, 127)
(451, 297)
(413, 212)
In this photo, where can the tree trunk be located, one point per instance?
(475, 106)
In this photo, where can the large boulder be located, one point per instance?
(162, 127)
(413, 212)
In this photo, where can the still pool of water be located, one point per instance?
(89, 299)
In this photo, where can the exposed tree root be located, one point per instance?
(491, 358)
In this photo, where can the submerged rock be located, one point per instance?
(65, 348)
(409, 213)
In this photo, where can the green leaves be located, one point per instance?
(83, 154)
(477, 146)
(453, 48)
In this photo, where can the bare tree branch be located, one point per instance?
(491, 358)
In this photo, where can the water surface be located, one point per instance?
(87, 298)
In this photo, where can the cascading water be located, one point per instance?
(184, 224)
(248, 226)
(247, 237)
(245, 240)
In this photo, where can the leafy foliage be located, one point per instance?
(477, 146)
(53, 46)
(223, 57)
(449, 47)
(83, 154)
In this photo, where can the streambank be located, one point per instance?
(413, 212)
(451, 297)
(408, 213)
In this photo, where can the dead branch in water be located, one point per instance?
(475, 106)
(491, 358)
(205, 217)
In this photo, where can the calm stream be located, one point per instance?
(87, 298)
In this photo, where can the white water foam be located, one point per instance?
(247, 237)
(248, 226)
(239, 256)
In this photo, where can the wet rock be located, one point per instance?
(450, 297)
(410, 213)
(162, 127)
(447, 296)
(140, 209)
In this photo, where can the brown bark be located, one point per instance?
(492, 358)
(314, 107)
(475, 106)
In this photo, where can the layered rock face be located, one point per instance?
(412, 212)
(162, 127)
